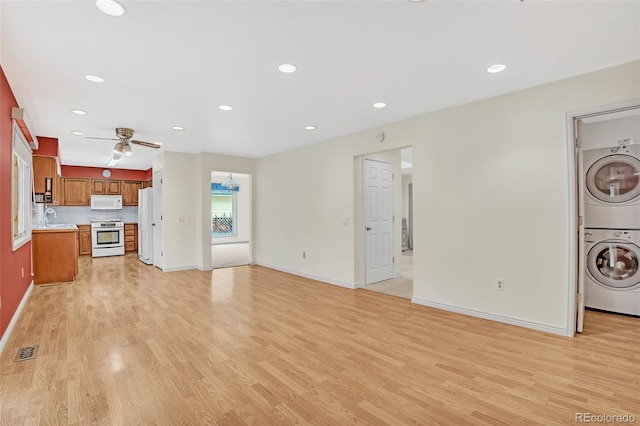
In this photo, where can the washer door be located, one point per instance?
(615, 264)
(614, 178)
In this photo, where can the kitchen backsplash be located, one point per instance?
(83, 215)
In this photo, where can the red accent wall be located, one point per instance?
(47, 147)
(96, 173)
(13, 285)
(149, 174)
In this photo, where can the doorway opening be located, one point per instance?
(384, 222)
(230, 219)
(606, 162)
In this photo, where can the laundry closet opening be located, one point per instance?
(230, 219)
(608, 222)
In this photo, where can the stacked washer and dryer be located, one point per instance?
(612, 228)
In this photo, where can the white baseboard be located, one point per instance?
(493, 317)
(179, 268)
(360, 284)
(205, 268)
(305, 275)
(14, 319)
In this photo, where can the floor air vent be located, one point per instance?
(28, 352)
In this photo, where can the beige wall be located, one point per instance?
(491, 199)
(178, 210)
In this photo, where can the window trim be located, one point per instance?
(20, 148)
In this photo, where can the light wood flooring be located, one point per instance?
(129, 345)
(401, 286)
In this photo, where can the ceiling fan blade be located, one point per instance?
(106, 139)
(147, 144)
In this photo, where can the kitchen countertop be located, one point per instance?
(56, 227)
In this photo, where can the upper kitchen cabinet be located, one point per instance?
(114, 187)
(98, 187)
(105, 187)
(46, 181)
(77, 192)
(130, 192)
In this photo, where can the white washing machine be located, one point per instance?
(612, 276)
(612, 187)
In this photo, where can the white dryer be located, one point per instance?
(612, 276)
(612, 187)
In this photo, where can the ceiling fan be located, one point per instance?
(123, 146)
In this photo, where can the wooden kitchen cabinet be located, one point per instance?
(105, 187)
(46, 168)
(55, 255)
(77, 192)
(130, 192)
(84, 237)
(113, 187)
(130, 237)
(147, 183)
(98, 187)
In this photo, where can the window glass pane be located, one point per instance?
(15, 194)
(20, 189)
(222, 213)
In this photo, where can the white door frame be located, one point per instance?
(157, 189)
(364, 214)
(573, 201)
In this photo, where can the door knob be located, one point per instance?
(368, 228)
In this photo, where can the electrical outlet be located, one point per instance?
(304, 254)
(500, 284)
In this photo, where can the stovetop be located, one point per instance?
(113, 222)
(105, 220)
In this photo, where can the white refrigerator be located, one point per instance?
(145, 225)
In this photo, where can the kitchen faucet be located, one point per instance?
(46, 217)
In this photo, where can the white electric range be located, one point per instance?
(107, 237)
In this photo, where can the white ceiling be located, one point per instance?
(171, 63)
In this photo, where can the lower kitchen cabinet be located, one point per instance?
(55, 255)
(84, 235)
(130, 237)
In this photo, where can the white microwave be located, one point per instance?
(106, 202)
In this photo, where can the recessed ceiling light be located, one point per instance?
(77, 133)
(416, 1)
(287, 68)
(495, 68)
(179, 128)
(111, 7)
(310, 127)
(94, 78)
(379, 105)
(225, 107)
(79, 112)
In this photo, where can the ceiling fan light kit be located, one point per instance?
(124, 141)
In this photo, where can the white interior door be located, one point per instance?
(577, 126)
(158, 240)
(378, 220)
